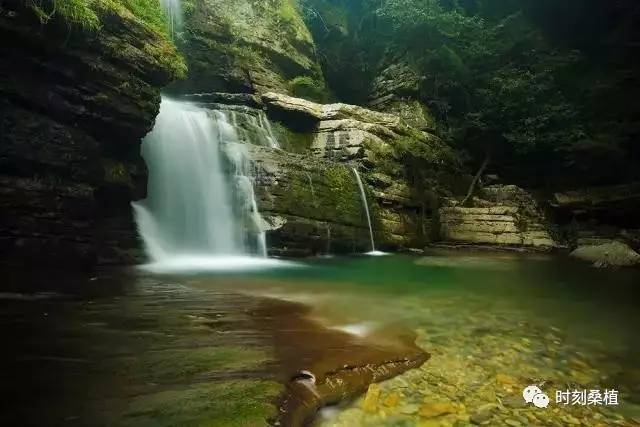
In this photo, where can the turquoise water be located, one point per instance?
(124, 347)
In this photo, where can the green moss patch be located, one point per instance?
(89, 14)
(308, 88)
(94, 15)
(227, 403)
(116, 172)
(170, 366)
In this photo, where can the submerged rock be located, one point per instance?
(431, 410)
(613, 253)
(371, 399)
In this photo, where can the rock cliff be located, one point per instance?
(74, 104)
(246, 46)
(503, 216)
(307, 189)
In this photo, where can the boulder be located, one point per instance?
(343, 131)
(604, 254)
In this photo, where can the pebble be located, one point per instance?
(409, 409)
(478, 380)
(370, 403)
(571, 420)
(431, 410)
(514, 402)
(481, 417)
(392, 400)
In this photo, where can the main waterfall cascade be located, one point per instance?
(201, 211)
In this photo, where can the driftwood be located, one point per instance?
(476, 178)
(324, 366)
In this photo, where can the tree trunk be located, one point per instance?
(474, 183)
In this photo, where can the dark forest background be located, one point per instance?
(545, 90)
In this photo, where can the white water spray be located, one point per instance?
(201, 211)
(173, 10)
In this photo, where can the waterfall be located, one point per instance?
(238, 157)
(363, 195)
(173, 10)
(313, 193)
(201, 210)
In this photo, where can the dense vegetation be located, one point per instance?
(82, 19)
(545, 89)
(88, 14)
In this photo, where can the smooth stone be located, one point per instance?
(392, 400)
(569, 419)
(409, 409)
(371, 399)
(513, 402)
(506, 380)
(431, 410)
(481, 417)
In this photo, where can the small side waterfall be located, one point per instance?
(363, 195)
(201, 211)
(313, 192)
(173, 10)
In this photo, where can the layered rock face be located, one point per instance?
(74, 105)
(602, 224)
(614, 205)
(506, 216)
(307, 189)
(395, 90)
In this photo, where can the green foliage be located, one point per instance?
(148, 11)
(290, 16)
(308, 88)
(539, 85)
(188, 6)
(492, 79)
(75, 12)
(88, 14)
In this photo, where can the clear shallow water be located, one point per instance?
(132, 348)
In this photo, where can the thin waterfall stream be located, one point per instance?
(173, 11)
(363, 195)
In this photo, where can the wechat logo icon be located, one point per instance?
(533, 394)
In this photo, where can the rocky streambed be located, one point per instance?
(121, 348)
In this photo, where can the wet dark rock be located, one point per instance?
(74, 105)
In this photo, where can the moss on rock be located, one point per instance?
(93, 15)
(224, 404)
(308, 88)
(246, 46)
(116, 172)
